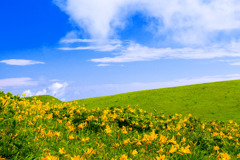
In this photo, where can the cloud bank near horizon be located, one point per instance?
(66, 91)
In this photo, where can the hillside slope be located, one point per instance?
(208, 101)
(45, 99)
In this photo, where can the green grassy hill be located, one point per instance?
(45, 99)
(208, 101)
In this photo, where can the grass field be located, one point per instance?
(208, 101)
(45, 128)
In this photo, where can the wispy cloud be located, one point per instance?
(16, 82)
(103, 65)
(92, 44)
(136, 52)
(69, 40)
(20, 62)
(235, 64)
(97, 48)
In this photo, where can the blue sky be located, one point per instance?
(75, 49)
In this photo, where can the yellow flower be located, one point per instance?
(81, 126)
(124, 131)
(71, 137)
(77, 158)
(108, 130)
(67, 155)
(161, 157)
(238, 156)
(230, 121)
(85, 139)
(49, 157)
(90, 151)
(24, 95)
(49, 134)
(134, 152)
(160, 150)
(57, 134)
(186, 149)
(62, 151)
(178, 127)
(14, 136)
(216, 148)
(123, 157)
(126, 141)
(173, 149)
(59, 120)
(138, 143)
(151, 124)
(153, 135)
(178, 134)
(172, 140)
(223, 156)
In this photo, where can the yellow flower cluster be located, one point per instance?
(51, 131)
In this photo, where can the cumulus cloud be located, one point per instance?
(188, 21)
(16, 82)
(43, 92)
(20, 62)
(56, 89)
(28, 93)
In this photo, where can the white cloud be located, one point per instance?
(20, 62)
(188, 21)
(97, 48)
(95, 44)
(43, 92)
(17, 82)
(136, 52)
(235, 64)
(28, 93)
(76, 40)
(57, 89)
(103, 65)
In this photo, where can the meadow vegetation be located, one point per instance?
(32, 129)
(208, 101)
